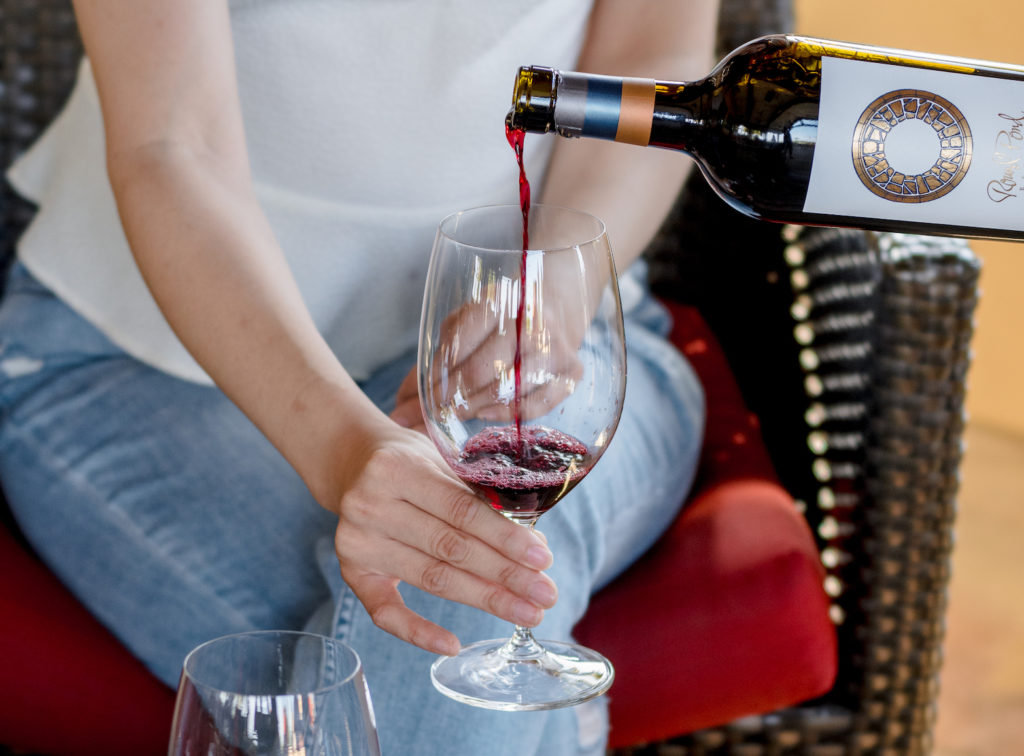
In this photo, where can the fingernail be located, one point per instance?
(526, 613)
(543, 592)
(447, 647)
(538, 557)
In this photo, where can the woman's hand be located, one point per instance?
(404, 517)
(466, 376)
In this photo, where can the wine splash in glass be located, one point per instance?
(522, 371)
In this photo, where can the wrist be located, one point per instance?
(330, 421)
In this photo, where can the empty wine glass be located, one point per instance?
(522, 372)
(273, 693)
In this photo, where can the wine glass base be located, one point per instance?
(484, 674)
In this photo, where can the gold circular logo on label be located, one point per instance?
(953, 146)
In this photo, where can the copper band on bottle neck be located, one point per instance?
(605, 107)
(636, 112)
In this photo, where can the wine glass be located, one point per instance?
(273, 693)
(522, 371)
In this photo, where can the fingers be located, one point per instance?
(409, 414)
(446, 523)
(447, 550)
(472, 375)
(407, 411)
(456, 583)
(544, 386)
(425, 528)
(484, 388)
(456, 580)
(380, 596)
(470, 515)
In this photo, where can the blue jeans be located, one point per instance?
(171, 517)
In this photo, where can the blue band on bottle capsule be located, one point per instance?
(604, 101)
(606, 107)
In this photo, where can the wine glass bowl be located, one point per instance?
(273, 693)
(521, 376)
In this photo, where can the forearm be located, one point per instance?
(178, 164)
(632, 188)
(211, 261)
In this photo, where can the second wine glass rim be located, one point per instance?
(344, 680)
(515, 207)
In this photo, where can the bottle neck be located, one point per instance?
(634, 111)
(605, 107)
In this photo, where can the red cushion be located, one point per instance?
(726, 616)
(70, 688)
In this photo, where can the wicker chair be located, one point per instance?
(851, 347)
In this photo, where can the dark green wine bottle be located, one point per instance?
(814, 132)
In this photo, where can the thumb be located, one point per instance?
(407, 413)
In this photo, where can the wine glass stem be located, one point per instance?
(522, 645)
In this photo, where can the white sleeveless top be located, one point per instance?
(367, 121)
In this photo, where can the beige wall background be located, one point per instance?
(990, 30)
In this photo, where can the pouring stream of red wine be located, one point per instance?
(523, 472)
(516, 139)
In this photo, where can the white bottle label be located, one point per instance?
(914, 144)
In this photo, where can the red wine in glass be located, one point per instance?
(523, 472)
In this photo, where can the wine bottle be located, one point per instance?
(816, 132)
